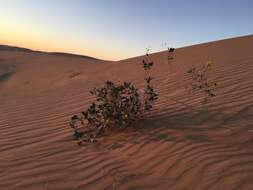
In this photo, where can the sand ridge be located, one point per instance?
(181, 144)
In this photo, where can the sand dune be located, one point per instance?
(181, 144)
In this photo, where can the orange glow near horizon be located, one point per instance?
(21, 37)
(115, 30)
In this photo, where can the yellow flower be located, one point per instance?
(209, 63)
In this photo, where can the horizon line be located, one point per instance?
(71, 53)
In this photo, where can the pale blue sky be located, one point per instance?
(117, 29)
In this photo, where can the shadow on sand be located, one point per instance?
(196, 126)
(4, 77)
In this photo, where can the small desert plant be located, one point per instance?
(116, 106)
(201, 82)
(119, 105)
(150, 95)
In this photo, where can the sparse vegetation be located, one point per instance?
(201, 82)
(119, 105)
(116, 106)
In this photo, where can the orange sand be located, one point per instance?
(178, 147)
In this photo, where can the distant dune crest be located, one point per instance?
(176, 148)
(19, 49)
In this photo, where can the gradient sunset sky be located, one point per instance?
(118, 29)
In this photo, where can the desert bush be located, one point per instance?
(119, 105)
(201, 82)
(116, 106)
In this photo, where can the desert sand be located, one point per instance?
(181, 145)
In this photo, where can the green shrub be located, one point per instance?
(116, 106)
(119, 105)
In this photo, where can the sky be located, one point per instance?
(119, 29)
